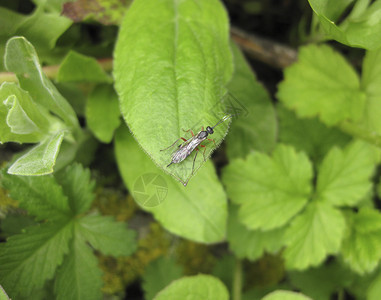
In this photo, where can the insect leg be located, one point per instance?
(188, 131)
(174, 143)
(194, 160)
(212, 141)
(203, 153)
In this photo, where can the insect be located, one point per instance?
(188, 146)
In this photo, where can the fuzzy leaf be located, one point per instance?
(199, 287)
(197, 212)
(255, 127)
(158, 275)
(313, 86)
(171, 76)
(313, 235)
(251, 244)
(102, 112)
(344, 175)
(41, 196)
(270, 190)
(79, 67)
(78, 187)
(79, 277)
(39, 160)
(107, 235)
(361, 249)
(29, 259)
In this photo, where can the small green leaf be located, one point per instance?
(40, 159)
(171, 77)
(251, 244)
(371, 83)
(3, 294)
(344, 175)
(197, 211)
(41, 196)
(158, 275)
(79, 277)
(27, 260)
(200, 287)
(79, 67)
(21, 58)
(361, 27)
(285, 295)
(361, 248)
(313, 87)
(78, 187)
(270, 190)
(313, 235)
(102, 112)
(255, 128)
(308, 135)
(107, 235)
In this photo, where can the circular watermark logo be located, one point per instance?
(150, 190)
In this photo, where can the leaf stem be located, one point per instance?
(52, 71)
(237, 280)
(361, 133)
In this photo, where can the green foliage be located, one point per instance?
(60, 245)
(285, 295)
(158, 275)
(361, 26)
(200, 287)
(178, 83)
(197, 212)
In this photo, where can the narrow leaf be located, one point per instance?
(270, 190)
(197, 212)
(313, 235)
(39, 160)
(171, 77)
(200, 287)
(27, 260)
(313, 87)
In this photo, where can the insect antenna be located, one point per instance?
(223, 120)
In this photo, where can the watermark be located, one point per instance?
(150, 190)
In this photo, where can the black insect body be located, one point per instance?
(188, 146)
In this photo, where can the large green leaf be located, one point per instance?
(285, 295)
(321, 83)
(200, 287)
(361, 27)
(269, 189)
(172, 61)
(197, 212)
(255, 127)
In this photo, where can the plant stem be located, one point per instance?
(358, 132)
(52, 71)
(237, 280)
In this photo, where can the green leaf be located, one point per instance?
(344, 175)
(107, 235)
(21, 58)
(79, 277)
(41, 196)
(200, 287)
(251, 244)
(3, 294)
(371, 83)
(197, 212)
(79, 67)
(102, 112)
(285, 295)
(313, 235)
(270, 190)
(40, 159)
(361, 247)
(308, 135)
(158, 275)
(78, 187)
(172, 76)
(258, 129)
(374, 290)
(361, 28)
(27, 260)
(320, 283)
(313, 87)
